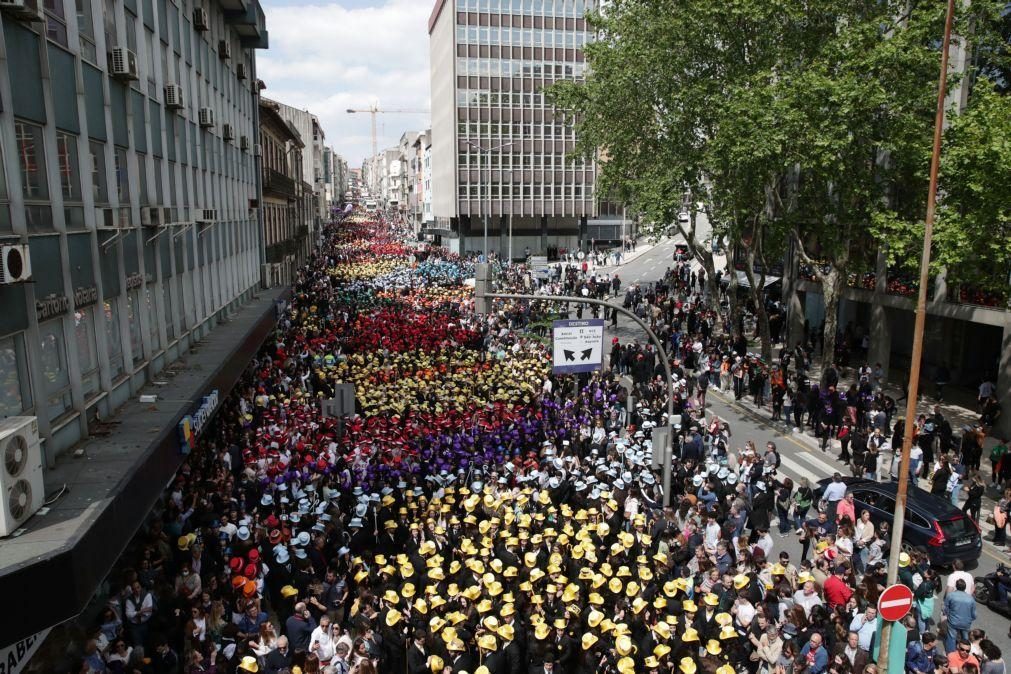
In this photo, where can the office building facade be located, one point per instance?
(128, 175)
(498, 146)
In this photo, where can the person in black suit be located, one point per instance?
(278, 659)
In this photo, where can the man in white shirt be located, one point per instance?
(959, 573)
(865, 625)
(807, 597)
(834, 492)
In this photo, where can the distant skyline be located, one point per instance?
(326, 57)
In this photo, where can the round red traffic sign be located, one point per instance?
(895, 602)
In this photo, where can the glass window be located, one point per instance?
(32, 159)
(86, 30)
(87, 353)
(56, 21)
(5, 209)
(151, 302)
(133, 317)
(114, 342)
(99, 185)
(166, 301)
(15, 391)
(70, 178)
(122, 177)
(53, 355)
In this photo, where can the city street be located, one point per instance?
(800, 456)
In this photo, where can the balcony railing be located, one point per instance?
(277, 184)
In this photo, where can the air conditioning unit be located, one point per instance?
(151, 216)
(206, 117)
(244, 143)
(168, 215)
(23, 10)
(173, 97)
(205, 215)
(22, 490)
(224, 50)
(257, 150)
(105, 218)
(227, 131)
(15, 264)
(200, 20)
(240, 70)
(124, 64)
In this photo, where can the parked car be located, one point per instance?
(931, 522)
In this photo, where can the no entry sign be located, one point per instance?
(895, 602)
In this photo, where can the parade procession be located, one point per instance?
(474, 512)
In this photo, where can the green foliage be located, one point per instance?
(803, 118)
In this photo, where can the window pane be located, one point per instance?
(98, 182)
(113, 340)
(122, 177)
(15, 393)
(152, 318)
(84, 335)
(53, 355)
(86, 30)
(70, 180)
(31, 157)
(133, 316)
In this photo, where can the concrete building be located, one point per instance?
(286, 217)
(129, 175)
(308, 127)
(421, 172)
(497, 144)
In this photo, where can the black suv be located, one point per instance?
(931, 522)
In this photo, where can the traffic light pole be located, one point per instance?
(482, 294)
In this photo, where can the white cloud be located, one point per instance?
(329, 57)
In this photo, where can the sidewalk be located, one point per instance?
(640, 250)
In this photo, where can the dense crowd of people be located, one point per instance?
(480, 514)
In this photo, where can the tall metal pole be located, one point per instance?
(487, 216)
(921, 315)
(480, 199)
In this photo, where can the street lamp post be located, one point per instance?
(480, 181)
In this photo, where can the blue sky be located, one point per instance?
(329, 56)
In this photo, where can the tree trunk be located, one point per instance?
(831, 287)
(764, 333)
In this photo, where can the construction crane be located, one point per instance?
(373, 110)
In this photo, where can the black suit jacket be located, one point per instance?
(274, 661)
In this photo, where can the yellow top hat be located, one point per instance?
(713, 647)
(690, 634)
(624, 645)
(626, 665)
(393, 617)
(687, 665)
(594, 617)
(728, 632)
(588, 640)
(711, 599)
(741, 580)
(662, 630)
(724, 619)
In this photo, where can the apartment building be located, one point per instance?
(287, 217)
(128, 176)
(499, 149)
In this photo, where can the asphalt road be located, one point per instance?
(800, 456)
